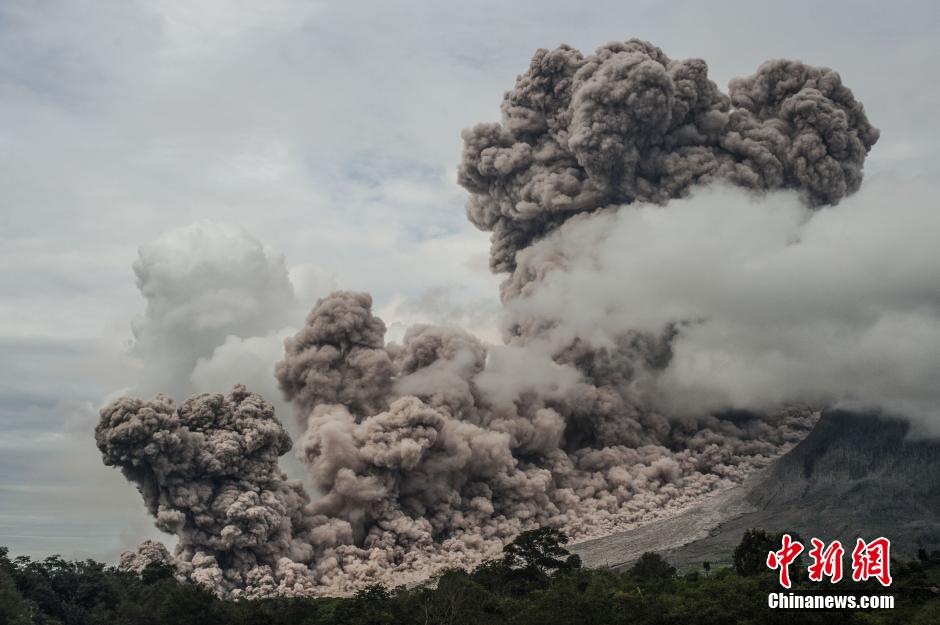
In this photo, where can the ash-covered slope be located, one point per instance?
(854, 475)
(857, 474)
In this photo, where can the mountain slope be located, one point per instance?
(855, 475)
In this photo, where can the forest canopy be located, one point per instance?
(536, 581)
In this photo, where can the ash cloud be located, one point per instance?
(438, 450)
(629, 124)
(435, 451)
(208, 473)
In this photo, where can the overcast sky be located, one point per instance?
(328, 133)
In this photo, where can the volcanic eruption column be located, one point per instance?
(435, 452)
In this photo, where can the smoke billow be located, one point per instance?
(628, 124)
(436, 451)
(208, 473)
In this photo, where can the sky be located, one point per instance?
(321, 140)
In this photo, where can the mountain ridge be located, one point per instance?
(855, 475)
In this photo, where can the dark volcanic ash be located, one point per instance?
(435, 452)
(208, 472)
(627, 124)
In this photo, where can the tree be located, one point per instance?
(750, 556)
(528, 562)
(13, 608)
(652, 572)
(156, 572)
(456, 600)
(539, 552)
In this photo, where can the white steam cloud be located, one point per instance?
(218, 307)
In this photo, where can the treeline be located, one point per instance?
(536, 581)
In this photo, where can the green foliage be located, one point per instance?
(653, 568)
(13, 608)
(539, 551)
(750, 556)
(537, 581)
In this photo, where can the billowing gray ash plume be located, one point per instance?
(208, 472)
(628, 124)
(435, 452)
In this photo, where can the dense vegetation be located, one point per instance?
(537, 581)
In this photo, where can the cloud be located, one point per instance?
(775, 303)
(215, 296)
(241, 361)
(450, 305)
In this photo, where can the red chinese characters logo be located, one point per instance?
(869, 560)
(827, 561)
(784, 558)
(872, 560)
